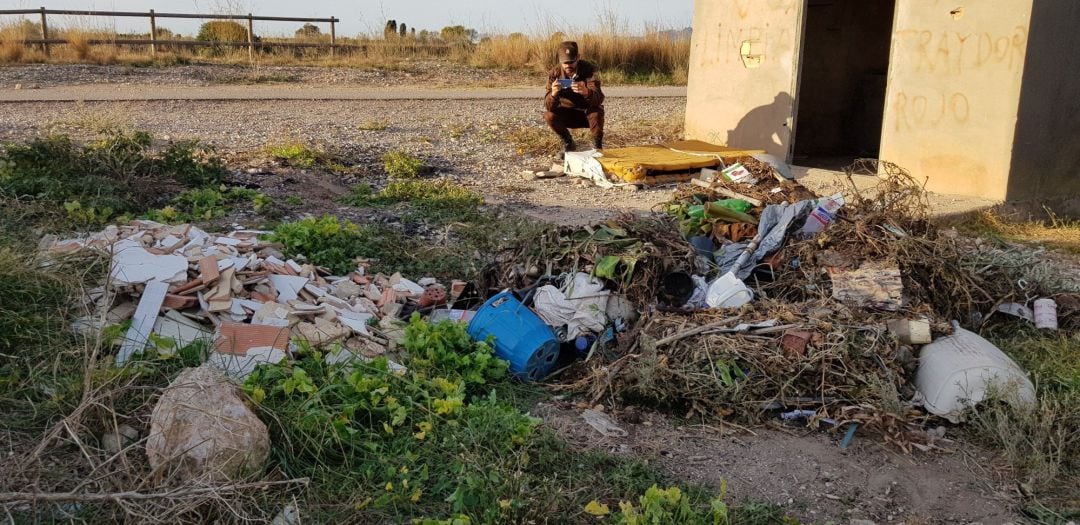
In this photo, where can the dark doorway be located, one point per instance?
(841, 95)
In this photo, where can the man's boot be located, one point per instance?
(567, 145)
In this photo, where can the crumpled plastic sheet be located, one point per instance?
(773, 227)
(581, 306)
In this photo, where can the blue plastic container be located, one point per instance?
(521, 338)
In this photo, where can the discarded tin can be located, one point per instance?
(1046, 314)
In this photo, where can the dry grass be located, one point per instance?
(12, 52)
(1054, 232)
(652, 58)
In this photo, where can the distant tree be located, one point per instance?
(309, 31)
(516, 36)
(391, 29)
(402, 31)
(458, 34)
(222, 31)
(412, 33)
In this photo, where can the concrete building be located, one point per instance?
(981, 97)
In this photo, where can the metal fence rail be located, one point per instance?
(45, 41)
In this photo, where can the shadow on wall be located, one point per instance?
(764, 127)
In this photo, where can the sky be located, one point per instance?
(369, 16)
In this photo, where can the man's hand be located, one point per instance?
(555, 88)
(581, 88)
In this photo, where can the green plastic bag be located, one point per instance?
(738, 205)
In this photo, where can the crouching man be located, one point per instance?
(574, 99)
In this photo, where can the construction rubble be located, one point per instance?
(747, 298)
(179, 285)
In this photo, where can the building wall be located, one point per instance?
(743, 71)
(953, 94)
(1046, 151)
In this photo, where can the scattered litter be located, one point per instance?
(728, 291)
(959, 371)
(823, 215)
(521, 338)
(603, 424)
(1046, 314)
(875, 285)
(911, 332)
(1017, 310)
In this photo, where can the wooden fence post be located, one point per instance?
(251, 38)
(44, 33)
(153, 34)
(333, 37)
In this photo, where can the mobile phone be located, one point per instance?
(565, 83)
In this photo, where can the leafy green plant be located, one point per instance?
(325, 241)
(87, 216)
(398, 428)
(294, 200)
(402, 165)
(209, 203)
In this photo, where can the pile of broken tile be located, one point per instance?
(180, 284)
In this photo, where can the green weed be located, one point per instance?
(105, 174)
(402, 165)
(297, 155)
(438, 200)
(193, 163)
(374, 125)
(328, 242)
(209, 203)
(432, 439)
(293, 200)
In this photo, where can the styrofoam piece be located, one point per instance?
(959, 371)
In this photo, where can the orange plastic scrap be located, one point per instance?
(638, 163)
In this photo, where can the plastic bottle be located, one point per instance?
(823, 215)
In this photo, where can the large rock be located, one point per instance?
(201, 428)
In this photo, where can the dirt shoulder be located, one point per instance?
(464, 140)
(805, 471)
